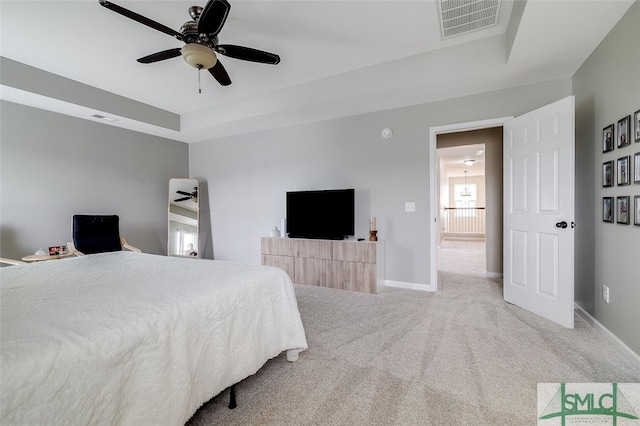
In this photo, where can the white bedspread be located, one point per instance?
(129, 338)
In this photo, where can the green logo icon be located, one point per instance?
(587, 401)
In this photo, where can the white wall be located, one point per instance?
(606, 89)
(53, 166)
(248, 175)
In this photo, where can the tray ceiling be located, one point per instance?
(339, 59)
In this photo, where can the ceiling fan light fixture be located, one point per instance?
(198, 56)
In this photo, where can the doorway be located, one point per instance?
(462, 200)
(539, 155)
(488, 133)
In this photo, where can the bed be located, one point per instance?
(130, 338)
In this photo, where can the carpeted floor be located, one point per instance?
(462, 257)
(461, 356)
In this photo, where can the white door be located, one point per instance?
(539, 211)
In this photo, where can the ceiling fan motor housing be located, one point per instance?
(189, 32)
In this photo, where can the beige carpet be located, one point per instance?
(461, 356)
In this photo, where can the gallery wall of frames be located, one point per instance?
(621, 169)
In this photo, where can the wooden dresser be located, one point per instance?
(346, 265)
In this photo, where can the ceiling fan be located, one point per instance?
(188, 195)
(201, 39)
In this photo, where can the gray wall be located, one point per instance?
(606, 89)
(53, 166)
(247, 176)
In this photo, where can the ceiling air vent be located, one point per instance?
(463, 16)
(102, 117)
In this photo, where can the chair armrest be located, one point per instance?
(75, 251)
(129, 247)
(11, 261)
(72, 249)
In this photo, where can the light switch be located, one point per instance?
(410, 206)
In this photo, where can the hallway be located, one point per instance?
(462, 257)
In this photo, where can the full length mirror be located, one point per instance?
(184, 215)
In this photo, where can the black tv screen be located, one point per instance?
(327, 214)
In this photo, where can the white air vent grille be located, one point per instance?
(462, 16)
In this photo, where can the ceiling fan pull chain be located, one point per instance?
(199, 88)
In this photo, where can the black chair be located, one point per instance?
(97, 234)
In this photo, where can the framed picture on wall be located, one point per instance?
(607, 138)
(607, 173)
(636, 168)
(636, 205)
(622, 209)
(623, 170)
(607, 209)
(623, 132)
(636, 125)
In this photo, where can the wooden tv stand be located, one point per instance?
(346, 264)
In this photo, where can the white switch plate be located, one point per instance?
(409, 206)
(605, 294)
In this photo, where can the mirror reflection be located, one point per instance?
(184, 215)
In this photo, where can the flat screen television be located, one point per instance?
(327, 214)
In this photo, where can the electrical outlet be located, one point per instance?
(605, 294)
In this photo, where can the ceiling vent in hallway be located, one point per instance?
(463, 16)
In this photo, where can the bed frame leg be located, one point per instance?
(232, 397)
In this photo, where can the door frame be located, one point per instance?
(434, 178)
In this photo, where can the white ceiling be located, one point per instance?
(339, 58)
(452, 160)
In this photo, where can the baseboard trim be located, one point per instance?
(493, 274)
(464, 237)
(609, 336)
(409, 286)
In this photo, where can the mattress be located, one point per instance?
(130, 338)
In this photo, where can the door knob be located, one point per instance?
(562, 224)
